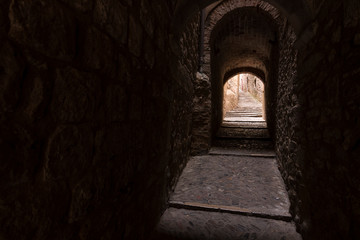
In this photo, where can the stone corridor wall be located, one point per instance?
(182, 117)
(201, 126)
(329, 69)
(318, 123)
(287, 140)
(92, 117)
(231, 94)
(255, 87)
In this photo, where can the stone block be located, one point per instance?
(43, 26)
(35, 96)
(81, 199)
(149, 53)
(4, 19)
(69, 153)
(99, 52)
(116, 103)
(357, 39)
(81, 5)
(112, 16)
(135, 37)
(114, 169)
(351, 13)
(74, 96)
(11, 71)
(18, 158)
(136, 107)
(146, 18)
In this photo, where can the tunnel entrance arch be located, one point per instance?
(244, 38)
(237, 36)
(237, 89)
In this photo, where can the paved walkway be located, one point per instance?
(234, 192)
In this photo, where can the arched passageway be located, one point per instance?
(240, 87)
(102, 103)
(236, 37)
(239, 36)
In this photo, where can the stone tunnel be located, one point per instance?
(102, 104)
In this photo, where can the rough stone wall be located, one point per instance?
(255, 87)
(318, 125)
(288, 119)
(182, 121)
(231, 94)
(200, 142)
(329, 69)
(91, 117)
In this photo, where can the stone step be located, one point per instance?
(244, 124)
(243, 132)
(181, 224)
(244, 143)
(243, 119)
(239, 152)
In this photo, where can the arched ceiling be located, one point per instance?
(243, 38)
(296, 11)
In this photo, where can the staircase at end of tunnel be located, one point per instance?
(234, 192)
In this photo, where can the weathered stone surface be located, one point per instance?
(252, 183)
(201, 114)
(74, 95)
(15, 145)
(147, 18)
(187, 224)
(149, 53)
(11, 71)
(4, 19)
(53, 32)
(36, 97)
(81, 5)
(113, 71)
(112, 16)
(116, 103)
(99, 52)
(231, 94)
(69, 153)
(92, 123)
(351, 13)
(135, 40)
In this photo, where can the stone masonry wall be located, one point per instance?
(200, 142)
(255, 87)
(329, 68)
(182, 120)
(287, 118)
(91, 117)
(231, 94)
(318, 123)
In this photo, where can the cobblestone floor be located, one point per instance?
(234, 192)
(179, 224)
(252, 183)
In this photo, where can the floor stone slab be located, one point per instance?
(179, 224)
(253, 183)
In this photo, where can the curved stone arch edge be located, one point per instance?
(245, 70)
(300, 18)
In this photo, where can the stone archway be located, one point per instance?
(297, 12)
(234, 25)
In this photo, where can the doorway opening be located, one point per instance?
(244, 99)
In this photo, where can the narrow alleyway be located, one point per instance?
(234, 192)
